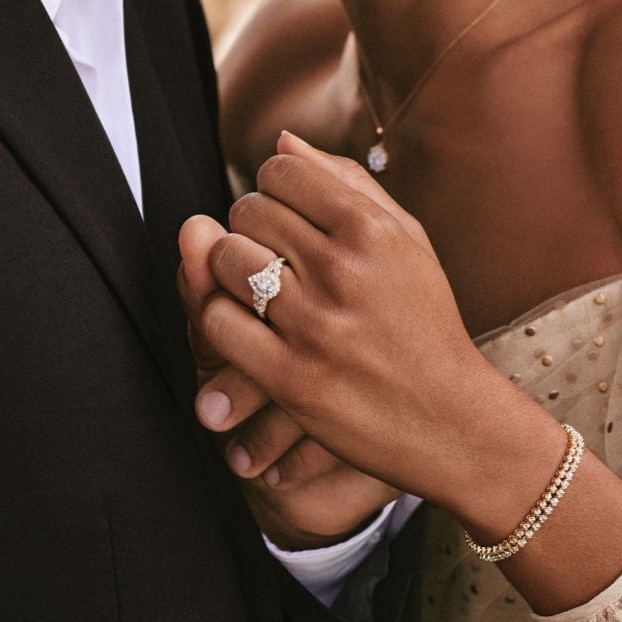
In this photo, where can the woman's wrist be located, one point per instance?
(508, 453)
(542, 508)
(493, 463)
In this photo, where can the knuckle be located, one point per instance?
(268, 435)
(353, 169)
(261, 442)
(378, 226)
(343, 281)
(242, 209)
(348, 202)
(213, 319)
(247, 397)
(353, 208)
(274, 170)
(295, 466)
(224, 253)
(205, 357)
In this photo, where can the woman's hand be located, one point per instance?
(302, 496)
(365, 349)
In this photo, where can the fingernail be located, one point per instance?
(295, 137)
(214, 408)
(239, 459)
(272, 476)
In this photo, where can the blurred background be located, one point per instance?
(222, 17)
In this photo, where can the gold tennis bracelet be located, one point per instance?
(542, 510)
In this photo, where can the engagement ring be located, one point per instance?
(266, 285)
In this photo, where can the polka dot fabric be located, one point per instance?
(567, 355)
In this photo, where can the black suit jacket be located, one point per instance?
(113, 504)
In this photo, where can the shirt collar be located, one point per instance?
(52, 6)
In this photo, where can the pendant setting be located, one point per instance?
(378, 158)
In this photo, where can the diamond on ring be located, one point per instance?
(266, 285)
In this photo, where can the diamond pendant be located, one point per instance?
(378, 158)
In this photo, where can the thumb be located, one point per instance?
(194, 280)
(356, 177)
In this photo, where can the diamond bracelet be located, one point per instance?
(542, 510)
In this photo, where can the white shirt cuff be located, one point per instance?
(324, 571)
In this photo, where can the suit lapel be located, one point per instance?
(178, 56)
(183, 175)
(170, 195)
(48, 122)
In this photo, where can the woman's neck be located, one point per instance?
(400, 39)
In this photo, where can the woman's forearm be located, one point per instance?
(577, 553)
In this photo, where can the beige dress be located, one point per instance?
(566, 354)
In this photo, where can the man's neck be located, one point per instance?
(400, 39)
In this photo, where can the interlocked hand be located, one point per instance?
(302, 495)
(364, 348)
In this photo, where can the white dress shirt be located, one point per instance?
(93, 34)
(324, 572)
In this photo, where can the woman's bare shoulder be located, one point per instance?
(266, 25)
(274, 49)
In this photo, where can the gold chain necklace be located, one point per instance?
(378, 156)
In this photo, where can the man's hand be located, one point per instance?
(302, 496)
